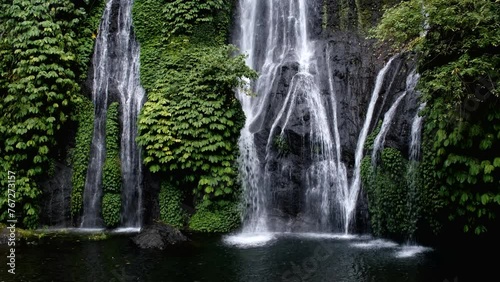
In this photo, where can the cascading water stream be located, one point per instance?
(416, 135)
(351, 197)
(101, 67)
(287, 43)
(274, 36)
(131, 96)
(325, 178)
(386, 125)
(412, 174)
(411, 82)
(115, 73)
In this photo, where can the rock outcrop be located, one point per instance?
(158, 236)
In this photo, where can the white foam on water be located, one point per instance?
(87, 230)
(375, 244)
(339, 236)
(249, 240)
(408, 251)
(127, 230)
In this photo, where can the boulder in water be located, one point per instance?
(158, 236)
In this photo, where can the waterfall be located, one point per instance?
(249, 168)
(287, 45)
(101, 67)
(342, 183)
(412, 173)
(416, 135)
(295, 95)
(411, 82)
(351, 197)
(115, 75)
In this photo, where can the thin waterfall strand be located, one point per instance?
(351, 198)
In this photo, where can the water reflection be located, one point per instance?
(297, 257)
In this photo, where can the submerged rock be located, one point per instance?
(158, 236)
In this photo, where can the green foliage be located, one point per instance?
(111, 205)
(149, 21)
(401, 25)
(220, 217)
(111, 178)
(111, 175)
(84, 116)
(387, 191)
(111, 172)
(370, 139)
(170, 200)
(37, 90)
(399, 202)
(191, 123)
(182, 15)
(281, 143)
(459, 65)
(463, 165)
(86, 33)
(202, 22)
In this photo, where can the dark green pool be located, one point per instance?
(211, 258)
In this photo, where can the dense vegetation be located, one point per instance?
(459, 60)
(191, 121)
(43, 55)
(111, 171)
(84, 116)
(190, 124)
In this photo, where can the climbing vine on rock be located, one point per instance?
(111, 172)
(37, 91)
(84, 118)
(170, 200)
(458, 45)
(181, 15)
(190, 125)
(222, 216)
(191, 121)
(387, 190)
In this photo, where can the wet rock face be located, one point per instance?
(354, 66)
(354, 70)
(56, 198)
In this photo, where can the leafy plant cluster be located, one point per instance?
(281, 143)
(87, 33)
(190, 124)
(170, 200)
(458, 44)
(223, 216)
(37, 90)
(111, 171)
(387, 191)
(84, 117)
(183, 16)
